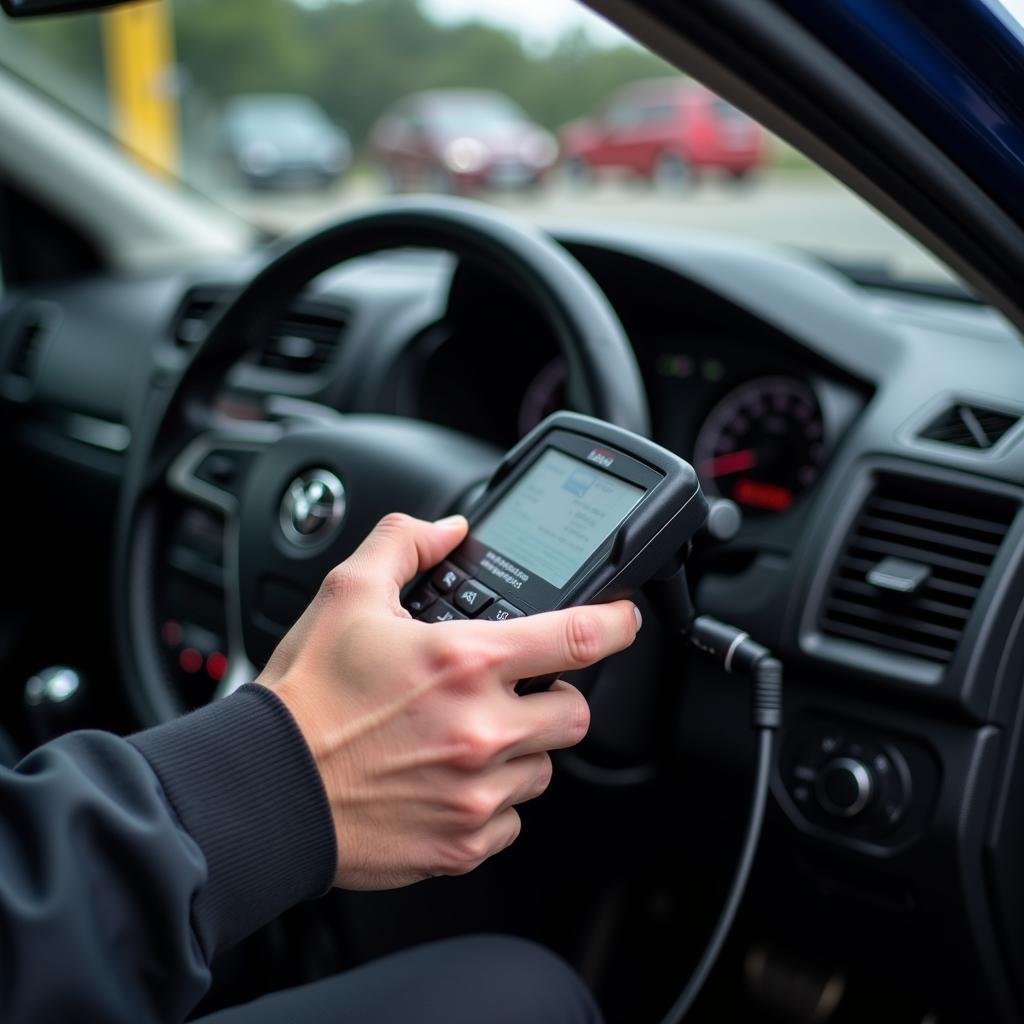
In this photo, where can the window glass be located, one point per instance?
(274, 109)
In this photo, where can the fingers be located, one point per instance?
(564, 640)
(472, 850)
(552, 720)
(400, 546)
(522, 779)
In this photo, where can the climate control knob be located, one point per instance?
(845, 787)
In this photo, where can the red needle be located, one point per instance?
(733, 462)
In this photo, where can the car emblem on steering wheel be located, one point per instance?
(312, 508)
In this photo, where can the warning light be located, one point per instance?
(190, 660)
(675, 365)
(170, 633)
(770, 497)
(712, 370)
(217, 666)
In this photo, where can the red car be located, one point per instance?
(667, 131)
(461, 140)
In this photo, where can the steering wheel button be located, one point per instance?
(225, 469)
(440, 611)
(473, 597)
(500, 612)
(447, 577)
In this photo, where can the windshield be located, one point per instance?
(292, 112)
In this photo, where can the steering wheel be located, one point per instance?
(298, 494)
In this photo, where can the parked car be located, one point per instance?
(284, 140)
(461, 140)
(666, 130)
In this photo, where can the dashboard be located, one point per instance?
(870, 437)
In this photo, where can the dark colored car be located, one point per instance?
(279, 140)
(461, 140)
(665, 130)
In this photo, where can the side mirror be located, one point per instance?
(36, 8)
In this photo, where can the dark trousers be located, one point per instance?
(480, 979)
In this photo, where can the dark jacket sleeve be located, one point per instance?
(125, 864)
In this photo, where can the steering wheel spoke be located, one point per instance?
(212, 471)
(213, 467)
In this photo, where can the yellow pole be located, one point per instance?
(139, 47)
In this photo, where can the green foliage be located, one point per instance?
(354, 57)
(232, 46)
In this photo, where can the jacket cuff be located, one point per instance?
(244, 785)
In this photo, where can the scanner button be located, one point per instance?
(419, 600)
(502, 611)
(473, 597)
(440, 611)
(446, 578)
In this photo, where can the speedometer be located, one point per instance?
(761, 445)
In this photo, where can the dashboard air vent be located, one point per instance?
(30, 335)
(193, 318)
(912, 566)
(306, 340)
(969, 426)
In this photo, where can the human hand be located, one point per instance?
(423, 745)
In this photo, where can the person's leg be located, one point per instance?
(479, 979)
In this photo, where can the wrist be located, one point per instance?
(243, 783)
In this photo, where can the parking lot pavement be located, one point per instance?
(801, 208)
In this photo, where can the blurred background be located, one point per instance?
(290, 112)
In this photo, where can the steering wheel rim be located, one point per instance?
(603, 380)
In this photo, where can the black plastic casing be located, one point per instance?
(671, 510)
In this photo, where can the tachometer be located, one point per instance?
(761, 445)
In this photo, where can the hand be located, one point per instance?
(422, 743)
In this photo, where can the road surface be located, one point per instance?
(804, 209)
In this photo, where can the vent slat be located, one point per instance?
(858, 568)
(936, 517)
(891, 621)
(956, 533)
(865, 590)
(932, 558)
(969, 426)
(875, 639)
(923, 537)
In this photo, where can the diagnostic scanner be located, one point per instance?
(578, 512)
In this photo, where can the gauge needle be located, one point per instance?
(733, 462)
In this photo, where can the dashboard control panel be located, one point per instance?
(853, 781)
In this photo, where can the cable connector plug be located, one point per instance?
(726, 644)
(736, 652)
(766, 700)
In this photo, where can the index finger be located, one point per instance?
(562, 641)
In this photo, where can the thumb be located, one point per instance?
(400, 546)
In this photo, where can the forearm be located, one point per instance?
(243, 784)
(124, 865)
(96, 886)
